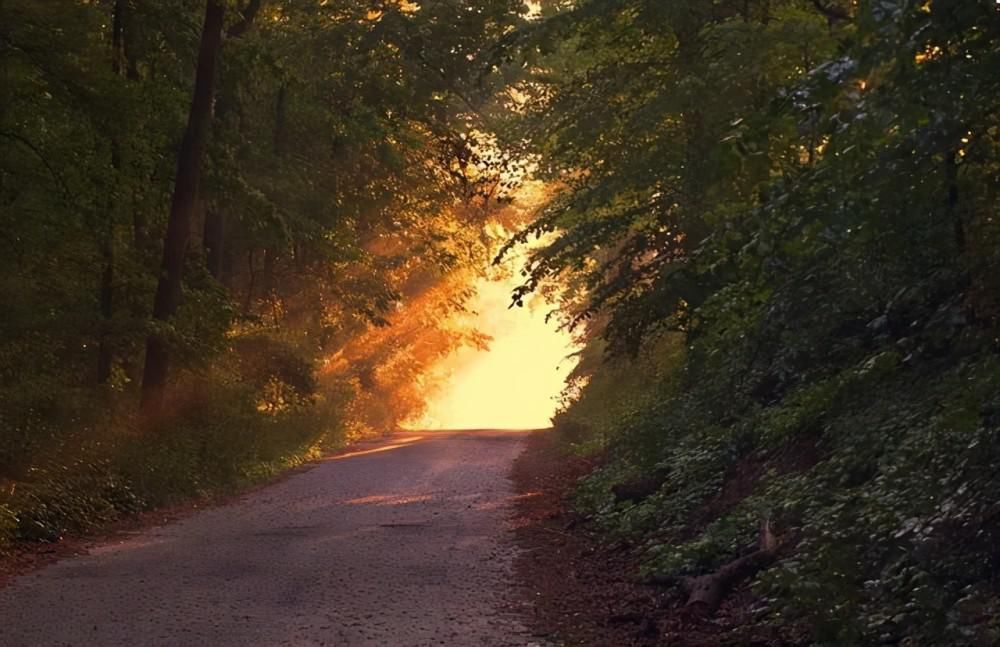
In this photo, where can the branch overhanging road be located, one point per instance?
(405, 543)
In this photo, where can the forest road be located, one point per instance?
(400, 543)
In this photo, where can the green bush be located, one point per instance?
(218, 435)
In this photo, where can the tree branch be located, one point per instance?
(832, 13)
(247, 16)
(56, 176)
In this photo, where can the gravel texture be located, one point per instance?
(404, 543)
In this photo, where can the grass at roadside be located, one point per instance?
(214, 441)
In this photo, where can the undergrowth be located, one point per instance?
(881, 473)
(93, 461)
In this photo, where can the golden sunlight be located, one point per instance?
(514, 384)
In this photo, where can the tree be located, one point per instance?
(779, 217)
(185, 194)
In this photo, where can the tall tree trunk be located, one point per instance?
(252, 273)
(951, 201)
(698, 140)
(281, 120)
(105, 354)
(213, 235)
(175, 241)
(106, 295)
(125, 65)
(215, 229)
(214, 240)
(268, 282)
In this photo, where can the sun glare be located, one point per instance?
(512, 385)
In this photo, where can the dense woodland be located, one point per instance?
(234, 233)
(778, 225)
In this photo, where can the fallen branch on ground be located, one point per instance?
(706, 592)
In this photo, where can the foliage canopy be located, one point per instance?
(780, 219)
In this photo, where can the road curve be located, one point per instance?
(399, 544)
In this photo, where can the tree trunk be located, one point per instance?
(175, 241)
(706, 592)
(280, 120)
(214, 240)
(125, 64)
(215, 231)
(105, 354)
(951, 202)
(252, 279)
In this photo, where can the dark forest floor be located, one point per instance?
(582, 591)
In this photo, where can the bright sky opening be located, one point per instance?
(513, 385)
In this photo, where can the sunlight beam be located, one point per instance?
(513, 385)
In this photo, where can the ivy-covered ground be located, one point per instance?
(877, 483)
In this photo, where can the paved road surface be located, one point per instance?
(396, 545)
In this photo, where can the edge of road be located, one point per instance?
(24, 558)
(27, 557)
